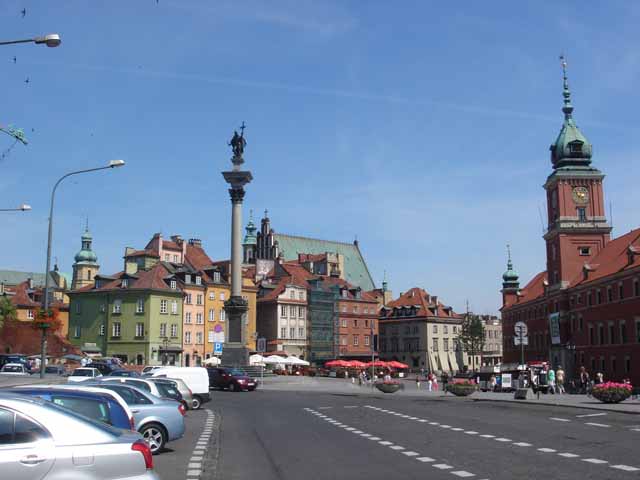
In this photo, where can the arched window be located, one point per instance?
(139, 359)
(88, 274)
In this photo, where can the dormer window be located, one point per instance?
(125, 282)
(174, 285)
(187, 278)
(216, 277)
(198, 280)
(585, 251)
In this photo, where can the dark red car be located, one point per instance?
(232, 378)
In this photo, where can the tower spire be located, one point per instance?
(567, 108)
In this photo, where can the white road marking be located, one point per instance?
(411, 454)
(324, 408)
(350, 429)
(425, 459)
(194, 465)
(457, 429)
(559, 419)
(365, 435)
(413, 418)
(602, 425)
(635, 429)
(351, 406)
(471, 432)
(445, 426)
(594, 460)
(384, 442)
(434, 423)
(626, 468)
(396, 447)
(422, 420)
(486, 435)
(463, 474)
(356, 431)
(568, 455)
(590, 415)
(547, 450)
(522, 444)
(442, 466)
(374, 438)
(502, 439)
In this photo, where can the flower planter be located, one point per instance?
(388, 387)
(460, 390)
(611, 392)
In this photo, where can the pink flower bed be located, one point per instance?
(612, 392)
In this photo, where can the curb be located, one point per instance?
(529, 402)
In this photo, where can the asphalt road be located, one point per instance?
(290, 435)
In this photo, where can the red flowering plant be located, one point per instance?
(461, 387)
(612, 392)
(47, 319)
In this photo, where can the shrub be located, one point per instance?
(461, 388)
(611, 392)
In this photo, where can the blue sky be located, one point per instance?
(422, 128)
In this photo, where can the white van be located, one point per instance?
(196, 378)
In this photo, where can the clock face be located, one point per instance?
(581, 195)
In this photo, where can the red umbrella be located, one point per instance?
(376, 363)
(337, 363)
(398, 365)
(357, 364)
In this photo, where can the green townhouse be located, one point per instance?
(135, 315)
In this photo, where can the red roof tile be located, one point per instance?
(532, 290)
(143, 253)
(147, 279)
(418, 296)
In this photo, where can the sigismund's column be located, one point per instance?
(234, 351)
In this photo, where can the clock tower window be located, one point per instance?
(582, 214)
(585, 251)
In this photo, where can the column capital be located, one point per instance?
(237, 195)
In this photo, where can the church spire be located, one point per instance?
(567, 108)
(510, 277)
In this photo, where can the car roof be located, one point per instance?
(13, 365)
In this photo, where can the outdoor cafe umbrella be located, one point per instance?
(256, 359)
(275, 359)
(357, 364)
(376, 363)
(337, 363)
(212, 361)
(297, 361)
(397, 365)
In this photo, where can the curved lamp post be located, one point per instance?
(22, 208)
(45, 302)
(51, 40)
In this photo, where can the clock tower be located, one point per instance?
(578, 227)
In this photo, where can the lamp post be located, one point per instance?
(51, 40)
(22, 208)
(45, 302)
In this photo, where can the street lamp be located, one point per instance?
(44, 326)
(22, 208)
(51, 40)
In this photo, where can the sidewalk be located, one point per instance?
(345, 387)
(16, 381)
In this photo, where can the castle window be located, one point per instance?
(102, 330)
(598, 297)
(584, 251)
(582, 214)
(636, 287)
(198, 280)
(76, 332)
(173, 285)
(575, 147)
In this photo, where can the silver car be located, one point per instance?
(185, 391)
(162, 391)
(42, 441)
(158, 420)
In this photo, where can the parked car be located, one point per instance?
(41, 440)
(150, 368)
(14, 358)
(161, 391)
(97, 403)
(234, 379)
(14, 369)
(103, 367)
(185, 391)
(81, 374)
(158, 420)
(124, 373)
(196, 379)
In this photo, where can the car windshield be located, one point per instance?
(238, 373)
(82, 373)
(168, 390)
(12, 368)
(130, 395)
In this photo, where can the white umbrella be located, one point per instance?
(212, 361)
(297, 361)
(275, 359)
(256, 359)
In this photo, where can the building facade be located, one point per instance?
(582, 310)
(417, 329)
(492, 351)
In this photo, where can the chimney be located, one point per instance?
(177, 239)
(30, 283)
(434, 299)
(195, 242)
(1, 288)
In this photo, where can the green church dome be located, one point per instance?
(86, 255)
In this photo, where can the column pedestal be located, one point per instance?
(234, 353)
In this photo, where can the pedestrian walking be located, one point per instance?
(435, 383)
(418, 381)
(492, 383)
(560, 379)
(445, 382)
(584, 380)
(430, 381)
(551, 377)
(599, 378)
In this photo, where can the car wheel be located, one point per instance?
(155, 437)
(197, 403)
(233, 387)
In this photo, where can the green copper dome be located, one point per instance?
(510, 277)
(250, 237)
(571, 148)
(86, 255)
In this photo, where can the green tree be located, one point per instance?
(472, 336)
(7, 310)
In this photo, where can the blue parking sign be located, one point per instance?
(217, 348)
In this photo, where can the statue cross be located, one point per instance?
(242, 127)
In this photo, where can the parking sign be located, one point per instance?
(261, 345)
(217, 348)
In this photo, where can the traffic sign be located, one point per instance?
(521, 329)
(217, 348)
(261, 345)
(521, 340)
